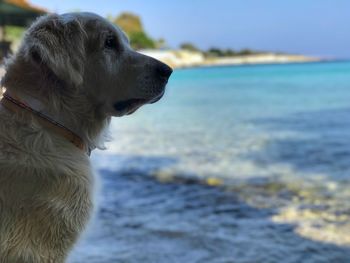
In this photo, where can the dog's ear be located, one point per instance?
(58, 43)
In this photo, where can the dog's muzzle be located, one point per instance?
(164, 71)
(160, 77)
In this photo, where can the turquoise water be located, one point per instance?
(213, 121)
(234, 164)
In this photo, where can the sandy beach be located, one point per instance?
(185, 58)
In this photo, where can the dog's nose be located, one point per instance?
(164, 70)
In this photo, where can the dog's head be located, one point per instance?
(89, 55)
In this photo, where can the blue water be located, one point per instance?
(234, 164)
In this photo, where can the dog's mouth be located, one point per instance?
(127, 105)
(130, 106)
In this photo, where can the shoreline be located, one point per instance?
(256, 64)
(180, 59)
(217, 65)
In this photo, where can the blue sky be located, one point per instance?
(311, 27)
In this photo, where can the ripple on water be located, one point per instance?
(142, 219)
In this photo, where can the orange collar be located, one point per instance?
(17, 106)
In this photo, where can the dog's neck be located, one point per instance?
(74, 112)
(24, 104)
(40, 107)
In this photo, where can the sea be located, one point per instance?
(235, 164)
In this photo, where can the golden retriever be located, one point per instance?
(71, 74)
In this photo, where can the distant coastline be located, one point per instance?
(186, 58)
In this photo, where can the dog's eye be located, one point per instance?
(111, 42)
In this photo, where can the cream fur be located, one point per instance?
(46, 183)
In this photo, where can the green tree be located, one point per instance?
(230, 53)
(215, 52)
(14, 33)
(131, 24)
(189, 46)
(140, 40)
(246, 51)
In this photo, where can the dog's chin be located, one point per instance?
(128, 107)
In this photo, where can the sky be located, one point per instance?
(309, 27)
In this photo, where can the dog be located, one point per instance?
(71, 74)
